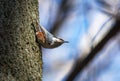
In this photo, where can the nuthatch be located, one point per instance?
(46, 39)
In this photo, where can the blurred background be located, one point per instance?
(84, 23)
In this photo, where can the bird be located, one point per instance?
(45, 38)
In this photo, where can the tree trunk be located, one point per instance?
(20, 56)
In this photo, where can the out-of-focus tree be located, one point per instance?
(88, 23)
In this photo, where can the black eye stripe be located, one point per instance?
(49, 43)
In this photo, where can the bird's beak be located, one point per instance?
(66, 41)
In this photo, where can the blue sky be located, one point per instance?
(81, 25)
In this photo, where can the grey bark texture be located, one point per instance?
(20, 55)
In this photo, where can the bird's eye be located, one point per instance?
(49, 43)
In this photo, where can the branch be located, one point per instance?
(80, 65)
(61, 15)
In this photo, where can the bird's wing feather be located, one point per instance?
(48, 35)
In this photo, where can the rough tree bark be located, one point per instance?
(20, 56)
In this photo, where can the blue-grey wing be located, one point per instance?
(48, 35)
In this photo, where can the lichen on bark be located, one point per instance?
(20, 56)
